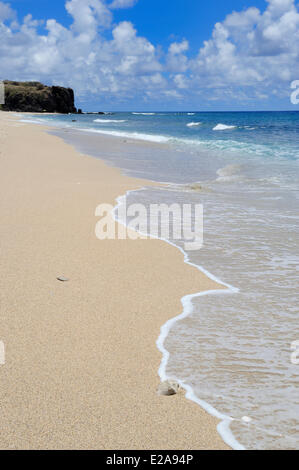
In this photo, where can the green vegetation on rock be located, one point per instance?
(36, 97)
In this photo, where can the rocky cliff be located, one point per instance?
(34, 97)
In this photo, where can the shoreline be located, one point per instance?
(160, 414)
(223, 426)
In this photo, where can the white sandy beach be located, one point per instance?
(81, 367)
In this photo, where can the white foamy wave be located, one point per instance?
(223, 427)
(131, 135)
(109, 120)
(223, 127)
(193, 124)
(145, 114)
(191, 114)
(235, 146)
(32, 121)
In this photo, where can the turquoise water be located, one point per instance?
(267, 133)
(234, 350)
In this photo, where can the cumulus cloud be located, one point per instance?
(88, 15)
(176, 60)
(252, 49)
(80, 56)
(250, 54)
(6, 12)
(177, 48)
(136, 54)
(123, 3)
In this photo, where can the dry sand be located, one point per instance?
(81, 359)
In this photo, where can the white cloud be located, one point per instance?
(88, 15)
(249, 54)
(6, 12)
(176, 60)
(136, 55)
(252, 49)
(177, 48)
(79, 56)
(180, 81)
(123, 3)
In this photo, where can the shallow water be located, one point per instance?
(234, 349)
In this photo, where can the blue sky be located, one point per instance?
(157, 20)
(156, 54)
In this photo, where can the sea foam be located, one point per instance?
(223, 427)
(223, 127)
(193, 124)
(130, 135)
(109, 120)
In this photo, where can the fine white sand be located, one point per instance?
(81, 359)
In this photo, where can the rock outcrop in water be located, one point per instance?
(34, 97)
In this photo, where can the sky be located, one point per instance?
(148, 55)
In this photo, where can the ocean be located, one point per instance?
(232, 350)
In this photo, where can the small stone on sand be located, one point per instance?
(169, 387)
(62, 279)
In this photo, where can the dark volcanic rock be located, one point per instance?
(34, 97)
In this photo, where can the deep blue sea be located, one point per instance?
(233, 349)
